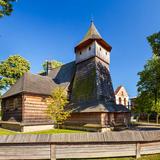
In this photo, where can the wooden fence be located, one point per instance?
(84, 145)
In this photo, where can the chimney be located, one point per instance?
(49, 67)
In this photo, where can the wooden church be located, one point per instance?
(89, 86)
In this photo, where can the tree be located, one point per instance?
(154, 41)
(11, 70)
(56, 109)
(149, 84)
(53, 63)
(156, 108)
(6, 7)
(144, 105)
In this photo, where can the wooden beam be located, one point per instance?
(53, 151)
(138, 150)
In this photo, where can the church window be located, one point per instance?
(125, 102)
(106, 53)
(120, 100)
(89, 48)
(100, 48)
(80, 53)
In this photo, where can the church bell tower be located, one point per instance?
(92, 81)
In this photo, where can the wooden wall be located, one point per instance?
(81, 119)
(12, 108)
(98, 119)
(79, 145)
(34, 109)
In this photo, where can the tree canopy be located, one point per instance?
(12, 69)
(6, 7)
(53, 63)
(148, 99)
(154, 41)
(56, 110)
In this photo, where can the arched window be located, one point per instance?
(125, 102)
(120, 100)
(89, 48)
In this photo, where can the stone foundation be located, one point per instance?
(20, 127)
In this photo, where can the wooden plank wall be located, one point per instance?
(34, 109)
(64, 151)
(12, 111)
(84, 145)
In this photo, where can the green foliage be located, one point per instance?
(56, 110)
(154, 41)
(149, 87)
(54, 64)
(143, 103)
(12, 69)
(150, 79)
(56, 131)
(6, 7)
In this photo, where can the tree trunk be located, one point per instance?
(148, 115)
(138, 118)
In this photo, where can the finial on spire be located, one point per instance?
(92, 19)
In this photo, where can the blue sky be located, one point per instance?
(43, 30)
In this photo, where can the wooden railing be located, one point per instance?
(84, 145)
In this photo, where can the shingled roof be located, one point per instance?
(38, 84)
(90, 36)
(31, 83)
(63, 75)
(97, 106)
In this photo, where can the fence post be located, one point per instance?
(53, 151)
(138, 150)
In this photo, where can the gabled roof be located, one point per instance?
(118, 89)
(90, 36)
(38, 84)
(63, 75)
(31, 83)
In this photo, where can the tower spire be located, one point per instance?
(92, 35)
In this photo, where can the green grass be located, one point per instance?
(7, 132)
(55, 131)
(51, 131)
(148, 157)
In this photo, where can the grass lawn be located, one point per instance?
(51, 131)
(149, 157)
(6, 132)
(55, 131)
